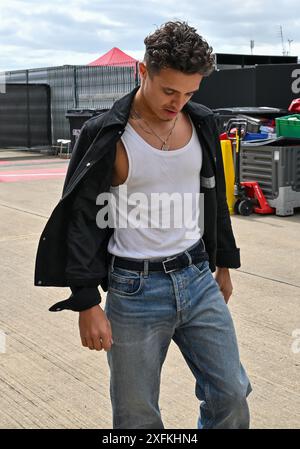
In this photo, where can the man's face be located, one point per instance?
(168, 91)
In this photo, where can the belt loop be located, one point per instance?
(189, 257)
(146, 268)
(112, 262)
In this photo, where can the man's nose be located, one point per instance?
(178, 103)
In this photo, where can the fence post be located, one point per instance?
(75, 99)
(28, 110)
(136, 73)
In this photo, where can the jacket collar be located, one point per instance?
(119, 113)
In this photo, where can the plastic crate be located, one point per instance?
(288, 126)
(255, 136)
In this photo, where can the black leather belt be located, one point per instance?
(169, 264)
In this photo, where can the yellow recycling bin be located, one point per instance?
(229, 173)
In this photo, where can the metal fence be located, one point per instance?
(25, 116)
(77, 87)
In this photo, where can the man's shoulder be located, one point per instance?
(199, 109)
(116, 115)
(95, 123)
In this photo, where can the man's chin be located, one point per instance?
(167, 117)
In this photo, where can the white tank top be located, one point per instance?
(157, 208)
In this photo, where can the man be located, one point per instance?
(159, 278)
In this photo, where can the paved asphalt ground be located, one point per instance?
(48, 380)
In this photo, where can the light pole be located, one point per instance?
(290, 41)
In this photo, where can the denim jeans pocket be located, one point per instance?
(201, 267)
(124, 282)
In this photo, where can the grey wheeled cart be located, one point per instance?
(276, 167)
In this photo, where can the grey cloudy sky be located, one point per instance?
(38, 34)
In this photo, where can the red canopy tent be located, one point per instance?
(115, 57)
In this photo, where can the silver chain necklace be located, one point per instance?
(165, 146)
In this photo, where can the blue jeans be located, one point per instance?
(148, 309)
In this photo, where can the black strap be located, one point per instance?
(172, 263)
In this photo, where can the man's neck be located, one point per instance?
(140, 105)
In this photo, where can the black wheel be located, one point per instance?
(236, 207)
(245, 207)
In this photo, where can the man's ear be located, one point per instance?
(142, 70)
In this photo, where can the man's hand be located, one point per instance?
(95, 329)
(223, 279)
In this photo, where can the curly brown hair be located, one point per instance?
(178, 46)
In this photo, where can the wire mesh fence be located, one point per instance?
(84, 87)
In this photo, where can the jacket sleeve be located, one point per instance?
(228, 255)
(83, 296)
(84, 239)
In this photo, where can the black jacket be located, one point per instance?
(72, 250)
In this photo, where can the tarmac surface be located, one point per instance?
(48, 380)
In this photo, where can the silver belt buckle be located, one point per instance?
(167, 260)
